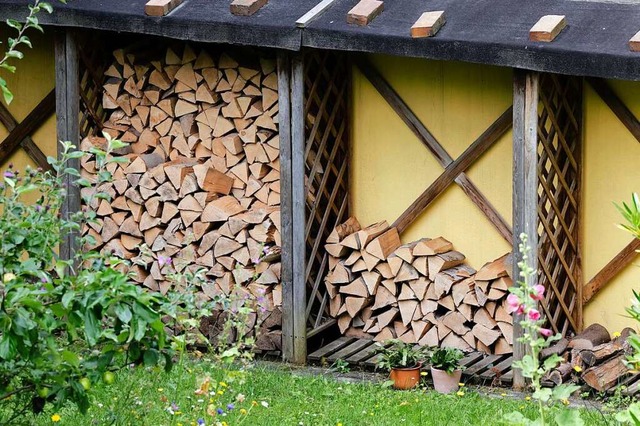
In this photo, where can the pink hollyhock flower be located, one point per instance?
(534, 315)
(538, 292)
(513, 303)
(545, 332)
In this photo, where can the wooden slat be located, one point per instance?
(610, 270)
(462, 163)
(624, 114)
(330, 348)
(525, 185)
(314, 13)
(27, 143)
(367, 353)
(350, 350)
(501, 367)
(477, 367)
(442, 156)
(68, 111)
(45, 108)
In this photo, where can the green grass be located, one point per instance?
(294, 397)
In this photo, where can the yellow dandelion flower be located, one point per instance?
(243, 411)
(503, 394)
(254, 403)
(527, 398)
(461, 385)
(616, 334)
(423, 373)
(577, 368)
(223, 384)
(224, 424)
(565, 401)
(220, 392)
(460, 393)
(160, 389)
(56, 418)
(338, 424)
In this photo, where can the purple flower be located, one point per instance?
(201, 422)
(266, 249)
(230, 407)
(44, 280)
(9, 174)
(164, 260)
(256, 260)
(174, 406)
(219, 411)
(38, 208)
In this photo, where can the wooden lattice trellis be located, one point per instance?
(326, 116)
(91, 66)
(559, 182)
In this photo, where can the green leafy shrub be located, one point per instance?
(401, 355)
(446, 359)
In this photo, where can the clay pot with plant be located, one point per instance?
(445, 369)
(403, 361)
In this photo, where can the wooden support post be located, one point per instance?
(525, 186)
(291, 118)
(67, 121)
(299, 222)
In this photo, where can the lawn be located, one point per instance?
(280, 395)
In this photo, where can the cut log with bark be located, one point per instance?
(420, 292)
(201, 180)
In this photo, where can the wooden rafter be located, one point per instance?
(438, 151)
(19, 135)
(624, 114)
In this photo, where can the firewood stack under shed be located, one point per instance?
(421, 292)
(202, 182)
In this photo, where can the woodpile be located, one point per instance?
(591, 358)
(421, 292)
(201, 184)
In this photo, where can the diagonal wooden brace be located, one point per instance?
(454, 169)
(19, 134)
(430, 142)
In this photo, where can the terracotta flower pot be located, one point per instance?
(405, 378)
(444, 382)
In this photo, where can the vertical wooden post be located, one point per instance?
(299, 206)
(525, 186)
(67, 122)
(291, 119)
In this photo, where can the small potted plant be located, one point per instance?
(445, 369)
(403, 361)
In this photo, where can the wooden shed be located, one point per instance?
(476, 134)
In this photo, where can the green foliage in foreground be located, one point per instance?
(270, 395)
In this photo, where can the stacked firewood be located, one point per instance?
(421, 292)
(202, 182)
(591, 357)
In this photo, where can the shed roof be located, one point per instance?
(595, 43)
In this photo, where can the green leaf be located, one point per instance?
(14, 24)
(71, 358)
(567, 417)
(8, 96)
(561, 392)
(47, 7)
(543, 394)
(14, 54)
(68, 298)
(124, 313)
(8, 347)
(151, 357)
(91, 327)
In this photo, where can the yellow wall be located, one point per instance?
(34, 78)
(390, 166)
(611, 173)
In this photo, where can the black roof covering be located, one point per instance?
(196, 20)
(595, 43)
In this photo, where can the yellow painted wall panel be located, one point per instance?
(611, 174)
(390, 167)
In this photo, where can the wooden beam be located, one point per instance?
(31, 123)
(364, 12)
(298, 213)
(624, 114)
(246, 7)
(610, 270)
(547, 28)
(314, 13)
(442, 156)
(525, 187)
(454, 169)
(27, 143)
(286, 202)
(67, 117)
(634, 42)
(428, 24)
(160, 7)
